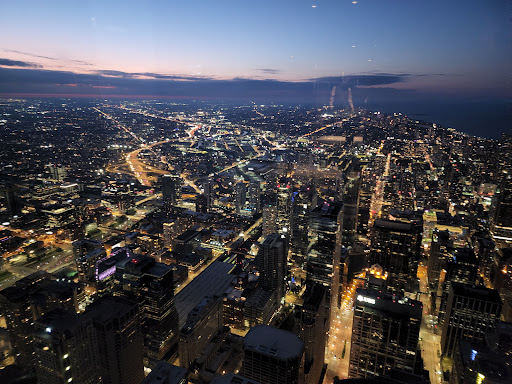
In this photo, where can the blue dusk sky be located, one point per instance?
(385, 51)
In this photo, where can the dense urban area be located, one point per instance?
(187, 242)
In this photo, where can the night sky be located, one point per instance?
(397, 55)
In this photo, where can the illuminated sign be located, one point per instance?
(473, 354)
(365, 299)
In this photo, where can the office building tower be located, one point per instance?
(303, 202)
(461, 265)
(471, 312)
(502, 220)
(151, 285)
(273, 356)
(314, 325)
(350, 205)
(385, 334)
(171, 188)
(165, 373)
(240, 196)
(255, 196)
(117, 323)
(325, 221)
(396, 248)
(11, 203)
(87, 253)
(271, 261)
(65, 348)
(284, 207)
(203, 323)
(26, 301)
(209, 192)
(476, 363)
(269, 220)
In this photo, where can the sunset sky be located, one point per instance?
(281, 49)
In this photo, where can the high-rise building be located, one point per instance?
(26, 301)
(273, 356)
(11, 203)
(471, 312)
(502, 220)
(284, 207)
(269, 220)
(117, 323)
(151, 285)
(204, 322)
(65, 348)
(385, 334)
(272, 265)
(255, 196)
(87, 253)
(314, 325)
(396, 248)
(171, 187)
(209, 192)
(350, 198)
(240, 196)
(303, 202)
(324, 227)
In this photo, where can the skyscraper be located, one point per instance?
(324, 226)
(240, 196)
(254, 196)
(396, 248)
(66, 348)
(384, 334)
(151, 285)
(171, 187)
(273, 356)
(471, 313)
(269, 220)
(117, 323)
(272, 265)
(314, 324)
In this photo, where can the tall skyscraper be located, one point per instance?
(303, 202)
(324, 226)
(171, 187)
(117, 323)
(384, 334)
(284, 207)
(240, 196)
(396, 248)
(204, 322)
(272, 265)
(350, 205)
(502, 220)
(255, 196)
(209, 192)
(471, 313)
(151, 285)
(273, 356)
(269, 220)
(26, 301)
(11, 202)
(314, 325)
(66, 348)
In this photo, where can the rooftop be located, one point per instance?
(273, 342)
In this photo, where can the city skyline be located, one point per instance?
(394, 57)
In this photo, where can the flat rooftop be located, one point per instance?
(214, 280)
